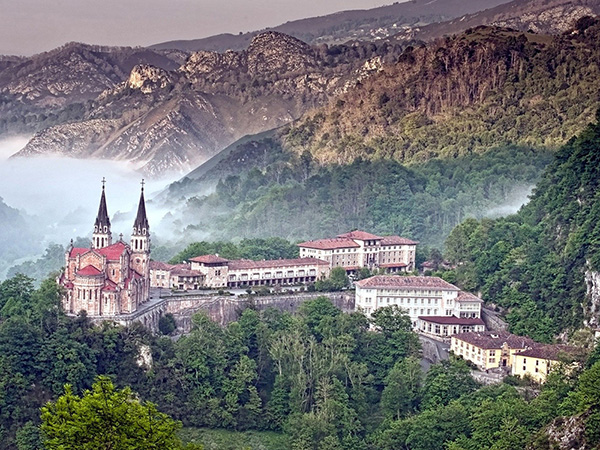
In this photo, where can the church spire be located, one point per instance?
(102, 235)
(140, 226)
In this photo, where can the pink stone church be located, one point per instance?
(109, 279)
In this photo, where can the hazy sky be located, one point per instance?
(33, 26)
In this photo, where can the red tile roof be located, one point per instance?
(77, 251)
(246, 264)
(496, 339)
(209, 259)
(452, 320)
(330, 244)
(360, 235)
(109, 286)
(113, 252)
(185, 272)
(468, 297)
(88, 271)
(158, 265)
(397, 240)
(397, 281)
(551, 352)
(398, 264)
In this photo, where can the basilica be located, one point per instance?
(109, 278)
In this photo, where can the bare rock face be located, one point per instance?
(148, 78)
(592, 304)
(172, 120)
(274, 52)
(553, 20)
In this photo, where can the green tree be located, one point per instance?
(105, 418)
(400, 396)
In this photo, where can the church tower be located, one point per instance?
(102, 236)
(140, 238)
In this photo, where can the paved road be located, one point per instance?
(433, 351)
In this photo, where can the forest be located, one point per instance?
(320, 379)
(533, 264)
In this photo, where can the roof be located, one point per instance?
(109, 286)
(88, 271)
(468, 297)
(141, 220)
(330, 244)
(550, 352)
(397, 240)
(246, 264)
(77, 251)
(113, 252)
(360, 235)
(158, 265)
(398, 281)
(398, 264)
(452, 320)
(102, 219)
(496, 340)
(209, 259)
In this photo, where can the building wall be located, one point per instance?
(416, 301)
(536, 368)
(277, 275)
(364, 255)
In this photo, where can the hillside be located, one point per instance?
(538, 16)
(57, 86)
(542, 265)
(461, 95)
(172, 120)
(343, 26)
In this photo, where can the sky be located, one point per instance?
(33, 26)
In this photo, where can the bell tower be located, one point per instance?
(140, 238)
(102, 237)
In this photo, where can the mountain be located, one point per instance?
(460, 113)
(56, 86)
(467, 93)
(538, 16)
(172, 120)
(343, 26)
(542, 265)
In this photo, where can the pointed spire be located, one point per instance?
(141, 220)
(102, 220)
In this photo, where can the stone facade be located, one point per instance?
(108, 279)
(358, 249)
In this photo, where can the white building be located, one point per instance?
(429, 301)
(358, 249)
(219, 272)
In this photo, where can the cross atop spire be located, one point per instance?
(141, 226)
(102, 220)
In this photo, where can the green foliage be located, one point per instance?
(338, 280)
(105, 418)
(255, 249)
(167, 324)
(423, 202)
(533, 263)
(447, 381)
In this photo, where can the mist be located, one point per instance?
(518, 198)
(62, 194)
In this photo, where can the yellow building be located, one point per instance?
(539, 361)
(490, 349)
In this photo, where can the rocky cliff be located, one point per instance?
(172, 120)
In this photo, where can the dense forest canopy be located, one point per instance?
(321, 379)
(533, 263)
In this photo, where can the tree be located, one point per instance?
(402, 388)
(104, 418)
